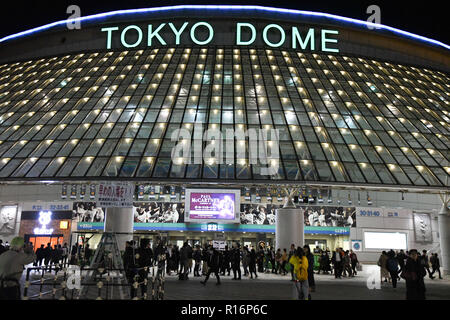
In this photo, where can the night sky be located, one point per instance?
(426, 18)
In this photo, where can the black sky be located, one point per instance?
(426, 18)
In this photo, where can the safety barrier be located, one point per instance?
(65, 284)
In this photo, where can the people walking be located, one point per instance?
(346, 265)
(130, 266)
(401, 258)
(426, 263)
(337, 263)
(284, 262)
(40, 255)
(384, 273)
(354, 262)
(392, 267)
(226, 261)
(252, 264)
(245, 260)
(236, 261)
(311, 282)
(197, 256)
(12, 263)
(300, 263)
(414, 274)
(143, 260)
(184, 262)
(213, 265)
(291, 253)
(435, 265)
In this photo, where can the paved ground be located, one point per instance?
(275, 287)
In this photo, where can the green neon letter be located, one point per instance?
(211, 33)
(109, 36)
(155, 34)
(139, 40)
(297, 37)
(325, 40)
(176, 32)
(239, 42)
(283, 36)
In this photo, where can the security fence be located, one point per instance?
(78, 283)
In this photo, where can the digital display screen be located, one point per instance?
(385, 240)
(214, 205)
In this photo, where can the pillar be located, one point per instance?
(289, 228)
(120, 220)
(444, 238)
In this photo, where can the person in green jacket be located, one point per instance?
(12, 264)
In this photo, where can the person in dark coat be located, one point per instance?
(414, 274)
(401, 258)
(260, 259)
(392, 267)
(40, 255)
(130, 266)
(48, 256)
(143, 261)
(213, 265)
(87, 255)
(226, 261)
(435, 265)
(236, 262)
(252, 264)
(311, 282)
(197, 256)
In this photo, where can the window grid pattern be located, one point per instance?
(112, 114)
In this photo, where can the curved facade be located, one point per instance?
(344, 115)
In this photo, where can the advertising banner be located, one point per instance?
(212, 205)
(115, 195)
(315, 216)
(422, 227)
(158, 212)
(88, 212)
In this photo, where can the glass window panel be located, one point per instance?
(369, 173)
(353, 171)
(243, 171)
(52, 168)
(316, 151)
(324, 171)
(129, 167)
(292, 170)
(122, 148)
(68, 166)
(81, 168)
(10, 167)
(24, 167)
(414, 176)
(193, 171)
(113, 167)
(177, 171)
(162, 168)
(372, 154)
(53, 149)
(80, 148)
(97, 167)
(38, 167)
(308, 171)
(384, 174)
(400, 175)
(108, 147)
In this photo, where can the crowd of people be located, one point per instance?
(411, 266)
(202, 261)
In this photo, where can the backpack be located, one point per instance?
(301, 273)
(392, 264)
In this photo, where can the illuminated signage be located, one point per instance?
(45, 217)
(202, 33)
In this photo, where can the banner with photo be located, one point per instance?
(327, 216)
(88, 212)
(315, 216)
(158, 212)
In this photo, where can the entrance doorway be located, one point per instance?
(38, 240)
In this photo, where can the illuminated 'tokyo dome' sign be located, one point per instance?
(202, 33)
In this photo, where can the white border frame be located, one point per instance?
(406, 232)
(237, 205)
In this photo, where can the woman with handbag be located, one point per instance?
(413, 274)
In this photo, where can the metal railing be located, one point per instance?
(65, 284)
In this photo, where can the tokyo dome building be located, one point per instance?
(243, 97)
